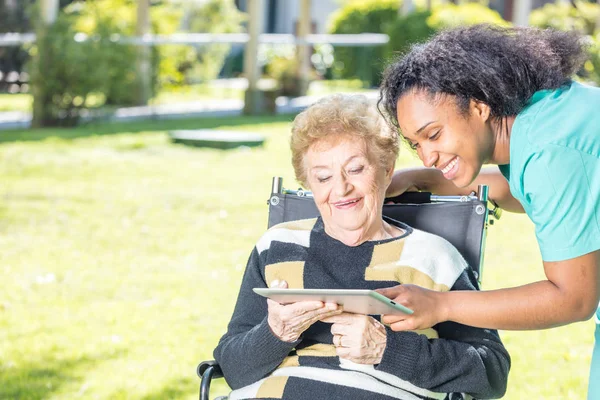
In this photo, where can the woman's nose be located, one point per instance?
(429, 157)
(342, 186)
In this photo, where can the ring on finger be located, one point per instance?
(337, 340)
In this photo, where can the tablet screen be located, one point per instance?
(358, 301)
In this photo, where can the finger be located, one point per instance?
(390, 292)
(318, 315)
(302, 307)
(404, 325)
(336, 340)
(274, 283)
(339, 329)
(332, 306)
(342, 352)
(342, 318)
(283, 284)
(391, 319)
(273, 305)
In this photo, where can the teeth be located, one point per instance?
(450, 166)
(348, 202)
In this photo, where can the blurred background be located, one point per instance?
(122, 246)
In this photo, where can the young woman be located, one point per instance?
(504, 96)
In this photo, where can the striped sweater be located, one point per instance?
(452, 361)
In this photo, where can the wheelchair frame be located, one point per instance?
(289, 205)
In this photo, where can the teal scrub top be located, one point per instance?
(554, 169)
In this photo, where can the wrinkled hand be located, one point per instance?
(358, 338)
(288, 322)
(428, 306)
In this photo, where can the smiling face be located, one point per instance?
(348, 187)
(444, 137)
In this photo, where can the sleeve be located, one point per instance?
(463, 360)
(562, 196)
(249, 351)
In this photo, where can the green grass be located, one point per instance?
(121, 255)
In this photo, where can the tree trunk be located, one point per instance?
(144, 68)
(254, 101)
(303, 50)
(521, 11)
(42, 102)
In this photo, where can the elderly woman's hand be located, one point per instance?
(429, 307)
(288, 322)
(358, 338)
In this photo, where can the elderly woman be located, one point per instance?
(343, 151)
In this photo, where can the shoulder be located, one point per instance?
(567, 116)
(295, 232)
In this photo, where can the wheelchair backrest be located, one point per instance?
(460, 220)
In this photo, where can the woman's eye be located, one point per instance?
(357, 170)
(413, 146)
(435, 136)
(323, 179)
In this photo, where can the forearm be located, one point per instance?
(432, 180)
(537, 305)
(250, 356)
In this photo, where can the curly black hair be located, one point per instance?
(502, 67)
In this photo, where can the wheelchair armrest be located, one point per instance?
(205, 365)
(411, 198)
(207, 370)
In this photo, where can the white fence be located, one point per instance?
(361, 39)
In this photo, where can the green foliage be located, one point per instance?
(66, 73)
(372, 16)
(565, 17)
(408, 30)
(450, 15)
(581, 18)
(404, 31)
(591, 68)
(109, 20)
(187, 64)
(97, 67)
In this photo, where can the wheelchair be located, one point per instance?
(462, 220)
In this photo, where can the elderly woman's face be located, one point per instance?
(444, 138)
(347, 185)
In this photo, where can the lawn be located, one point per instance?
(121, 255)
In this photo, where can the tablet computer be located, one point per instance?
(358, 301)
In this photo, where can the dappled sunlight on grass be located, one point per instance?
(122, 253)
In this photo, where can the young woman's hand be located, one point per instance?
(428, 306)
(358, 338)
(288, 322)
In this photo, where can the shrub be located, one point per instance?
(183, 64)
(408, 30)
(404, 31)
(581, 18)
(108, 21)
(372, 16)
(591, 68)
(65, 74)
(565, 17)
(419, 25)
(447, 16)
